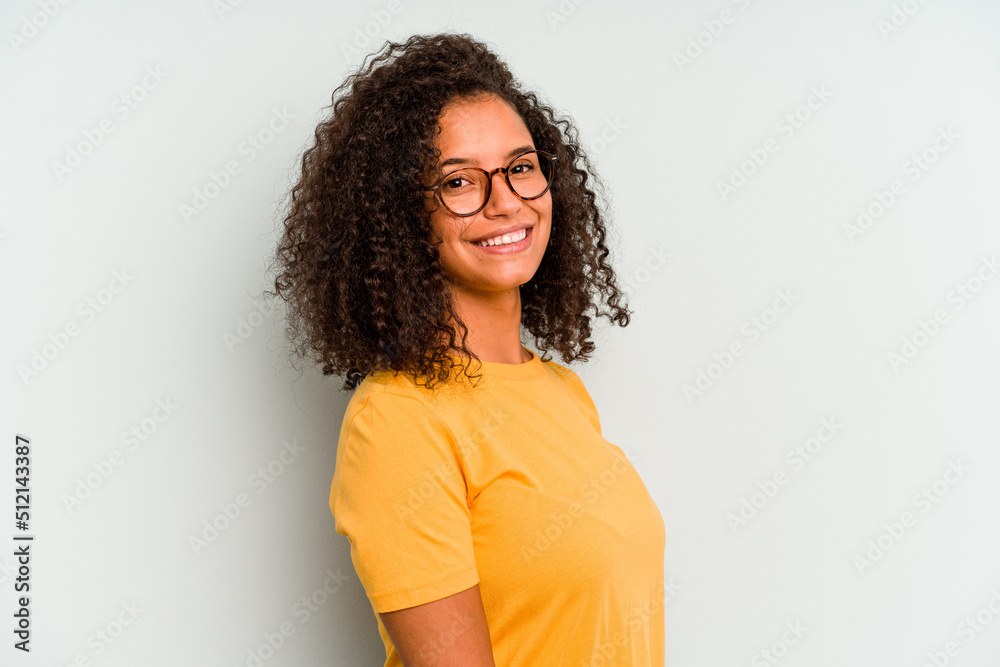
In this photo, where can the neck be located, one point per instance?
(494, 323)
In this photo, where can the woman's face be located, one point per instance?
(487, 133)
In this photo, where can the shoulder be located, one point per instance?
(387, 436)
(568, 377)
(560, 370)
(385, 388)
(388, 410)
(578, 391)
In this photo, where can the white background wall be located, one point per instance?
(665, 133)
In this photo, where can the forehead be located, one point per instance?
(483, 129)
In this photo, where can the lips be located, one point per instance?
(504, 249)
(500, 232)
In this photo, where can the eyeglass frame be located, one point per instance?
(436, 189)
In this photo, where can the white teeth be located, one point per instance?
(506, 239)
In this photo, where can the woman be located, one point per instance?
(441, 209)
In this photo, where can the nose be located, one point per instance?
(502, 199)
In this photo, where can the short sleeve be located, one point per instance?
(399, 495)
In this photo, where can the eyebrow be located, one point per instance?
(464, 160)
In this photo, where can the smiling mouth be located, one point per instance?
(510, 238)
(516, 242)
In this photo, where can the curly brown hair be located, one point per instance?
(356, 266)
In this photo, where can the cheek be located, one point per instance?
(445, 235)
(544, 207)
(545, 213)
(438, 228)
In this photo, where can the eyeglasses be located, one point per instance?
(465, 191)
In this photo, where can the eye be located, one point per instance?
(459, 182)
(455, 183)
(523, 166)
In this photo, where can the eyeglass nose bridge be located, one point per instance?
(489, 184)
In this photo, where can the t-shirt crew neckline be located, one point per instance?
(527, 370)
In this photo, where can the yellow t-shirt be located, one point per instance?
(510, 485)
